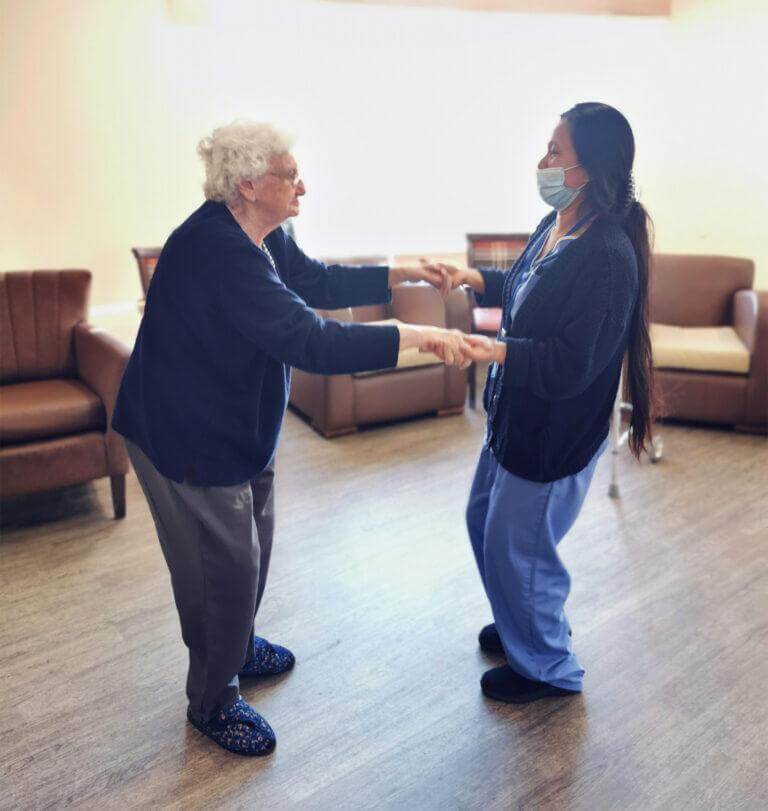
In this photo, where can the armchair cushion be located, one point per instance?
(48, 408)
(702, 349)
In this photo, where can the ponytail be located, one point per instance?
(639, 370)
(605, 147)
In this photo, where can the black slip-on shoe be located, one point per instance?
(489, 639)
(503, 684)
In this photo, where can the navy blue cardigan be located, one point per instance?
(206, 386)
(551, 410)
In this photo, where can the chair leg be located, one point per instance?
(118, 495)
(657, 449)
(334, 432)
(613, 487)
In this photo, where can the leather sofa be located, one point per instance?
(709, 332)
(59, 379)
(338, 404)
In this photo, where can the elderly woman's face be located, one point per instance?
(560, 152)
(277, 191)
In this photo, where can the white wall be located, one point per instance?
(705, 172)
(414, 125)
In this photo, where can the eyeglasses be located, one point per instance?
(292, 177)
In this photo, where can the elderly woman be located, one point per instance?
(204, 393)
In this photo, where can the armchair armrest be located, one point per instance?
(418, 304)
(101, 361)
(750, 320)
(328, 400)
(458, 309)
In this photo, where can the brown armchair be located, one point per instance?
(337, 404)
(709, 333)
(59, 379)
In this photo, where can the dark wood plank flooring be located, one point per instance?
(373, 586)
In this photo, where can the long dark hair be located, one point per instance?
(605, 148)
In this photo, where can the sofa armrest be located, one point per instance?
(745, 316)
(101, 361)
(750, 320)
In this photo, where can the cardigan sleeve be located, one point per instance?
(266, 313)
(330, 287)
(566, 364)
(493, 282)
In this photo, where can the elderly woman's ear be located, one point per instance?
(247, 189)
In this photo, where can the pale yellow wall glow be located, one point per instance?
(414, 125)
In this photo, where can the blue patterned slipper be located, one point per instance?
(266, 659)
(239, 729)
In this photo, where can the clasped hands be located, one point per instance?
(453, 347)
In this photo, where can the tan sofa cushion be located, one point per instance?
(48, 408)
(409, 358)
(701, 349)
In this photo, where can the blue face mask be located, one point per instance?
(552, 187)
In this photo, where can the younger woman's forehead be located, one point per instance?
(560, 136)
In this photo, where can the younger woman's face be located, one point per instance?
(560, 152)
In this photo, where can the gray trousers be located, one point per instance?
(217, 543)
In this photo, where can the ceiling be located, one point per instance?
(628, 7)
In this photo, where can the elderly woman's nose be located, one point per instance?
(300, 189)
(542, 163)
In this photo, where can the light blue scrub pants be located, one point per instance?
(515, 526)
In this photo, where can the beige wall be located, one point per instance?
(414, 125)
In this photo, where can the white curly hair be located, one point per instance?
(238, 151)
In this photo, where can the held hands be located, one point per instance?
(449, 277)
(424, 272)
(472, 349)
(442, 277)
(453, 347)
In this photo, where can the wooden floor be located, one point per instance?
(373, 586)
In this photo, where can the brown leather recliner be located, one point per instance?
(59, 379)
(711, 291)
(337, 404)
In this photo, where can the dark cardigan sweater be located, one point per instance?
(206, 387)
(550, 408)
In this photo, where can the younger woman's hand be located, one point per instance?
(485, 349)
